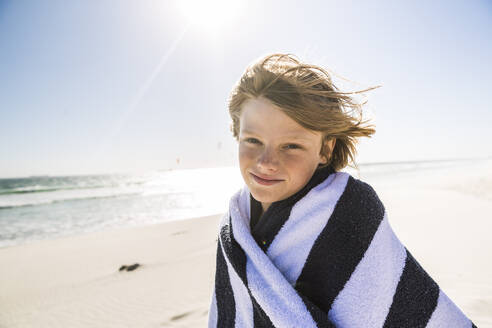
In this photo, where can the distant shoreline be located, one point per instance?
(122, 173)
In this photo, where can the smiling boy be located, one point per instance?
(277, 156)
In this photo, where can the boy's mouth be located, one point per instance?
(265, 181)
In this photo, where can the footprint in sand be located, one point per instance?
(185, 319)
(181, 316)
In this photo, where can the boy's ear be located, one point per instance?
(327, 149)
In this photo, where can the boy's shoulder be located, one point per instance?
(359, 196)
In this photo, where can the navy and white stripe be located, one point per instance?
(332, 261)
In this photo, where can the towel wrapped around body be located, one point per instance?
(324, 257)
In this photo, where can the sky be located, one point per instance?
(90, 87)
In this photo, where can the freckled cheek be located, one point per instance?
(246, 155)
(293, 160)
(298, 166)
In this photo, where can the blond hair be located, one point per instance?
(306, 94)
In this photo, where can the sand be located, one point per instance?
(443, 218)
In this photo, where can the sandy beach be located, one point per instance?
(442, 216)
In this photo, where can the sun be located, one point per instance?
(212, 14)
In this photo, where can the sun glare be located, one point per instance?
(212, 14)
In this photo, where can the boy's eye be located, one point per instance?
(252, 140)
(292, 146)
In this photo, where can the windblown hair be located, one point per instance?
(307, 95)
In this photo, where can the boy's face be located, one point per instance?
(277, 156)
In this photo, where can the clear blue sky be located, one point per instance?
(115, 86)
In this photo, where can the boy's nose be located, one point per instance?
(268, 159)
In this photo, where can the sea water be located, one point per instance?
(45, 207)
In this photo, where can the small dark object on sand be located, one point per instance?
(132, 267)
(129, 267)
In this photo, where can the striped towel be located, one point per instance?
(333, 261)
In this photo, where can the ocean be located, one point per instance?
(46, 207)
